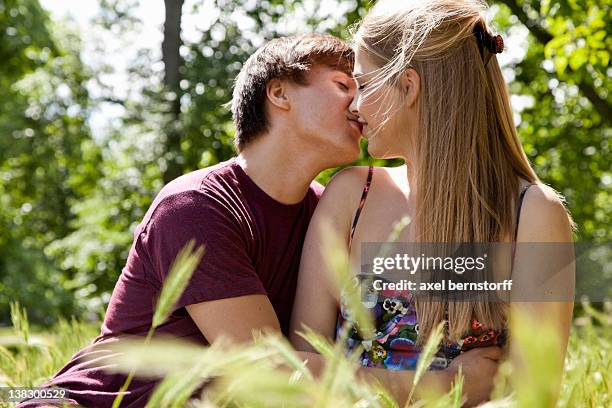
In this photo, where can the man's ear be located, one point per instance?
(276, 91)
(411, 85)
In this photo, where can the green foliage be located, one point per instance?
(537, 356)
(70, 202)
(566, 130)
(25, 39)
(210, 68)
(47, 158)
(587, 379)
(21, 324)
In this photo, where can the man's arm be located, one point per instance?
(234, 318)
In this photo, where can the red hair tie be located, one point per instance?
(498, 42)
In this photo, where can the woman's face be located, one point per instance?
(387, 121)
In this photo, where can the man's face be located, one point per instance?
(322, 117)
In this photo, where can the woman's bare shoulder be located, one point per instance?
(341, 195)
(350, 182)
(544, 217)
(347, 183)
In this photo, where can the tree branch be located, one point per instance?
(543, 36)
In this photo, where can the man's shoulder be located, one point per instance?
(197, 179)
(192, 194)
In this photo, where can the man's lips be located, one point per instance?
(357, 124)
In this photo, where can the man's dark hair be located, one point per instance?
(284, 58)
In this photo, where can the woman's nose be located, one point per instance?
(353, 106)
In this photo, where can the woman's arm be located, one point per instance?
(316, 298)
(543, 283)
(478, 367)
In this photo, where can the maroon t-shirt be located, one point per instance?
(252, 246)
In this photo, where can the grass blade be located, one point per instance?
(426, 357)
(180, 273)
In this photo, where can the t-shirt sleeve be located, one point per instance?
(225, 270)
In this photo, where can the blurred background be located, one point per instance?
(104, 101)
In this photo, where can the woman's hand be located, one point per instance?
(479, 367)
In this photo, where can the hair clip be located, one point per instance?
(487, 43)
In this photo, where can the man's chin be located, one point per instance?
(353, 153)
(344, 156)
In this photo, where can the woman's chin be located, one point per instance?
(379, 151)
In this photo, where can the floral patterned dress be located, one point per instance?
(393, 346)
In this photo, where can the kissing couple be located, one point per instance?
(421, 83)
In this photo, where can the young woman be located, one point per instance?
(430, 91)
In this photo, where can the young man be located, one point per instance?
(291, 110)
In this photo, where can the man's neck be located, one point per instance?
(283, 173)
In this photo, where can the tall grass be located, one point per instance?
(268, 372)
(178, 277)
(29, 359)
(252, 377)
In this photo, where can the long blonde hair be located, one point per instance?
(467, 145)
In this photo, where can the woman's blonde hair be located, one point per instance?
(467, 147)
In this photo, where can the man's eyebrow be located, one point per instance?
(343, 72)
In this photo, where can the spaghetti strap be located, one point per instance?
(364, 195)
(518, 217)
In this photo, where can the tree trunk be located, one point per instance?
(172, 77)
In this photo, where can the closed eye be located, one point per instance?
(360, 85)
(343, 86)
